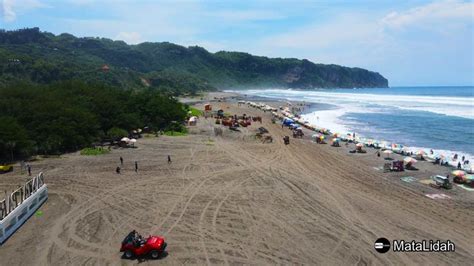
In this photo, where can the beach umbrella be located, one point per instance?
(408, 160)
(420, 152)
(125, 139)
(458, 173)
(133, 140)
(387, 152)
(321, 137)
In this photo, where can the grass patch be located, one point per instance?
(195, 112)
(175, 133)
(94, 151)
(209, 141)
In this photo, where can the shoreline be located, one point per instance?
(331, 118)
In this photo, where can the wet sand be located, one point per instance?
(234, 200)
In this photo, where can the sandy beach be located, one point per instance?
(234, 200)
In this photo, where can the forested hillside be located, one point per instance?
(43, 57)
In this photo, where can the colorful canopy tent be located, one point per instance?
(458, 173)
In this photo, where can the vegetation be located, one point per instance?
(174, 133)
(94, 151)
(194, 112)
(70, 115)
(60, 93)
(42, 57)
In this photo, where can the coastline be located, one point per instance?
(349, 119)
(236, 200)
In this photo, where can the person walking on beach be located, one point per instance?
(169, 158)
(459, 165)
(463, 158)
(378, 153)
(117, 170)
(136, 167)
(121, 160)
(28, 167)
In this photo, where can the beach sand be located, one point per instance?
(234, 200)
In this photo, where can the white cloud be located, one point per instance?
(7, 11)
(443, 11)
(340, 30)
(11, 8)
(409, 46)
(129, 37)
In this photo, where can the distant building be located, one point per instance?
(105, 68)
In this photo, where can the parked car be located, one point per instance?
(5, 168)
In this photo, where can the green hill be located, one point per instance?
(42, 57)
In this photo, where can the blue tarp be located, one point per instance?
(287, 121)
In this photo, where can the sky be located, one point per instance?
(411, 43)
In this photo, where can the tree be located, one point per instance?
(116, 133)
(13, 138)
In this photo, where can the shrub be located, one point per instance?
(94, 151)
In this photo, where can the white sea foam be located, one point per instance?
(451, 106)
(347, 102)
(328, 119)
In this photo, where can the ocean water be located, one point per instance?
(441, 118)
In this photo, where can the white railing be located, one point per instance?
(20, 205)
(18, 196)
